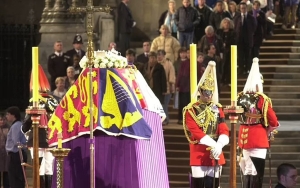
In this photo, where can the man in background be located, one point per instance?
(14, 138)
(287, 176)
(125, 25)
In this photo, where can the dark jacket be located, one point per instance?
(72, 52)
(279, 186)
(159, 81)
(142, 58)
(204, 15)
(3, 154)
(186, 19)
(251, 27)
(57, 65)
(261, 28)
(125, 19)
(43, 133)
(228, 38)
(216, 18)
(204, 44)
(162, 19)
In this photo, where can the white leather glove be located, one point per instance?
(216, 151)
(223, 140)
(207, 140)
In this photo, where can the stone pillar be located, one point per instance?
(58, 24)
(104, 29)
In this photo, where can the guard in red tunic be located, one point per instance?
(206, 130)
(257, 124)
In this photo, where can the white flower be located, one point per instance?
(110, 64)
(102, 65)
(106, 59)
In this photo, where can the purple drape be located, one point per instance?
(115, 162)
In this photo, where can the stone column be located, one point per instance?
(46, 11)
(58, 24)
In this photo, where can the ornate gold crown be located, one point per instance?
(209, 83)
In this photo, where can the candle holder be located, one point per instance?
(35, 113)
(233, 111)
(59, 155)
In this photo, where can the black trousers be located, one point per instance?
(15, 172)
(184, 100)
(244, 57)
(124, 43)
(4, 177)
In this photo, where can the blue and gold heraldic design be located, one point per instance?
(120, 112)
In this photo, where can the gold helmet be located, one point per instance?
(208, 83)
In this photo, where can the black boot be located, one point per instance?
(260, 169)
(42, 182)
(48, 181)
(209, 182)
(197, 182)
(246, 180)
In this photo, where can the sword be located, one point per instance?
(271, 137)
(23, 164)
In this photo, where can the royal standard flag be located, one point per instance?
(116, 109)
(120, 112)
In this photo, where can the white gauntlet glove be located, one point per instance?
(217, 150)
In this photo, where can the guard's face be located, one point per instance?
(77, 46)
(206, 95)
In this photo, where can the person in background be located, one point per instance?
(183, 83)
(244, 26)
(168, 18)
(60, 90)
(218, 14)
(77, 68)
(186, 18)
(287, 176)
(130, 56)
(71, 78)
(77, 48)
(4, 128)
(15, 137)
(228, 36)
(156, 77)
(233, 10)
(204, 12)
(166, 42)
(112, 45)
(182, 56)
(261, 28)
(125, 25)
(200, 62)
(290, 8)
(143, 57)
(209, 38)
(171, 79)
(58, 63)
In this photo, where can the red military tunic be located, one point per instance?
(256, 135)
(199, 155)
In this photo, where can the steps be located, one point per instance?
(284, 148)
(280, 66)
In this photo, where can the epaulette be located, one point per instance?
(53, 56)
(66, 56)
(219, 105)
(267, 103)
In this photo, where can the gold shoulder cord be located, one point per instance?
(189, 109)
(206, 114)
(267, 102)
